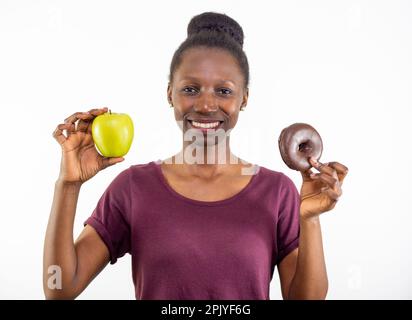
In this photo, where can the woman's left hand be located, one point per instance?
(320, 191)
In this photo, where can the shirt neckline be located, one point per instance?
(174, 193)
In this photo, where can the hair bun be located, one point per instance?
(212, 21)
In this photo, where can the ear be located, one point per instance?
(169, 93)
(245, 97)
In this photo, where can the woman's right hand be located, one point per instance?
(80, 160)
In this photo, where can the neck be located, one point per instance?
(206, 160)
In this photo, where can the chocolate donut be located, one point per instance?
(297, 143)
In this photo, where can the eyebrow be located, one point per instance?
(197, 80)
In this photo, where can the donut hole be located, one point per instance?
(305, 147)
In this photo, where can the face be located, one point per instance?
(208, 86)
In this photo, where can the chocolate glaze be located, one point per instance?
(297, 143)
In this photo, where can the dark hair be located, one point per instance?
(213, 30)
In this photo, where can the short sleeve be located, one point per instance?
(288, 227)
(110, 217)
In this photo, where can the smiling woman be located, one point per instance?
(202, 224)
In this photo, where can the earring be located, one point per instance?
(171, 105)
(242, 108)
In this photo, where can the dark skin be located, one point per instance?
(198, 89)
(302, 273)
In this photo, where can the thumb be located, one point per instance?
(107, 162)
(306, 174)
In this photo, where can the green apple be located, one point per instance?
(113, 134)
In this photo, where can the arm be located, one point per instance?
(69, 267)
(79, 262)
(303, 272)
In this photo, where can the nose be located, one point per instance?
(206, 103)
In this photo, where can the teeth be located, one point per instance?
(205, 125)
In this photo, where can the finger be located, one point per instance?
(86, 125)
(341, 170)
(97, 112)
(332, 194)
(58, 132)
(107, 162)
(58, 135)
(83, 125)
(306, 175)
(323, 167)
(77, 116)
(68, 128)
(330, 181)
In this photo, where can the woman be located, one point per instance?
(202, 224)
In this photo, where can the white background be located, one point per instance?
(343, 66)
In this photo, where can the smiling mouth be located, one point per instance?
(209, 125)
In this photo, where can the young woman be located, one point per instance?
(202, 224)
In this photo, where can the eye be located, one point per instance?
(225, 91)
(189, 90)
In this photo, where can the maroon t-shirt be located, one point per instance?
(189, 249)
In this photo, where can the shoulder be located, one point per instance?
(278, 184)
(140, 168)
(134, 171)
(143, 173)
(278, 178)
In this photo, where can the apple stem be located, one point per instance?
(110, 111)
